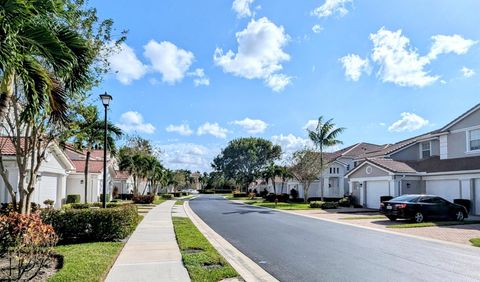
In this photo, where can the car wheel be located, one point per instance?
(392, 218)
(418, 218)
(459, 216)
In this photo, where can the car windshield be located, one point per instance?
(405, 198)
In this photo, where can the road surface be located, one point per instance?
(297, 248)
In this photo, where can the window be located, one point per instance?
(474, 140)
(348, 167)
(330, 170)
(425, 147)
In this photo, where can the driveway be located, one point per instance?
(460, 234)
(297, 248)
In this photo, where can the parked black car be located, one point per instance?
(420, 207)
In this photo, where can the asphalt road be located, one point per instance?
(297, 248)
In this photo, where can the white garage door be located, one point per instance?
(48, 189)
(376, 189)
(447, 189)
(477, 196)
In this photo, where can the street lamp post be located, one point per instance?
(105, 101)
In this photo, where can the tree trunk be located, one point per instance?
(6, 93)
(87, 161)
(306, 186)
(321, 173)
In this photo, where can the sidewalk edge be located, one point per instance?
(248, 269)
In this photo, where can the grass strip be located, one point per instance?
(179, 202)
(89, 262)
(364, 217)
(280, 205)
(475, 242)
(431, 224)
(202, 261)
(158, 200)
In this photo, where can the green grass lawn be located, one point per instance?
(158, 200)
(430, 224)
(202, 261)
(179, 202)
(364, 217)
(280, 206)
(475, 242)
(88, 262)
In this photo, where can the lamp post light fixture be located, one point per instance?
(106, 102)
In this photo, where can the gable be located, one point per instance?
(368, 170)
(469, 119)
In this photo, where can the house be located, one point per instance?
(75, 180)
(51, 179)
(444, 162)
(332, 180)
(122, 183)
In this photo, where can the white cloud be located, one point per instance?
(317, 28)
(354, 66)
(171, 61)
(444, 44)
(311, 124)
(408, 122)
(252, 126)
(199, 77)
(188, 156)
(212, 129)
(125, 64)
(332, 7)
(182, 129)
(242, 8)
(133, 122)
(467, 72)
(260, 54)
(399, 63)
(291, 143)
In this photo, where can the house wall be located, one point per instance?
(415, 187)
(361, 172)
(412, 153)
(472, 120)
(456, 145)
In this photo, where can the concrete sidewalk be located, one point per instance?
(151, 253)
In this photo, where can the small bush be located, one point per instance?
(143, 199)
(294, 194)
(92, 225)
(239, 195)
(27, 245)
(323, 205)
(73, 199)
(344, 202)
(167, 196)
(127, 197)
(108, 198)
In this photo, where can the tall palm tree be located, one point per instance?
(270, 173)
(89, 134)
(324, 136)
(285, 174)
(39, 53)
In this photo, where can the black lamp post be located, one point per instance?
(105, 101)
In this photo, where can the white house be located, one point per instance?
(51, 179)
(75, 180)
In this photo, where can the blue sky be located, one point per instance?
(193, 75)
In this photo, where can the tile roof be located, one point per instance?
(353, 151)
(93, 166)
(121, 175)
(392, 165)
(6, 147)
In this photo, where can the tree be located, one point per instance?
(41, 54)
(89, 134)
(285, 174)
(324, 136)
(244, 159)
(270, 172)
(306, 166)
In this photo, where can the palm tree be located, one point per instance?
(285, 174)
(39, 53)
(323, 137)
(270, 173)
(89, 134)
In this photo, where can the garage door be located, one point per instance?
(477, 196)
(48, 189)
(376, 189)
(447, 189)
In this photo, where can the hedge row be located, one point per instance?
(324, 205)
(92, 225)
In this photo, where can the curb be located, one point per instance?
(248, 269)
(368, 228)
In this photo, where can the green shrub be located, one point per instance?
(323, 205)
(167, 196)
(73, 199)
(92, 225)
(101, 197)
(344, 202)
(143, 199)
